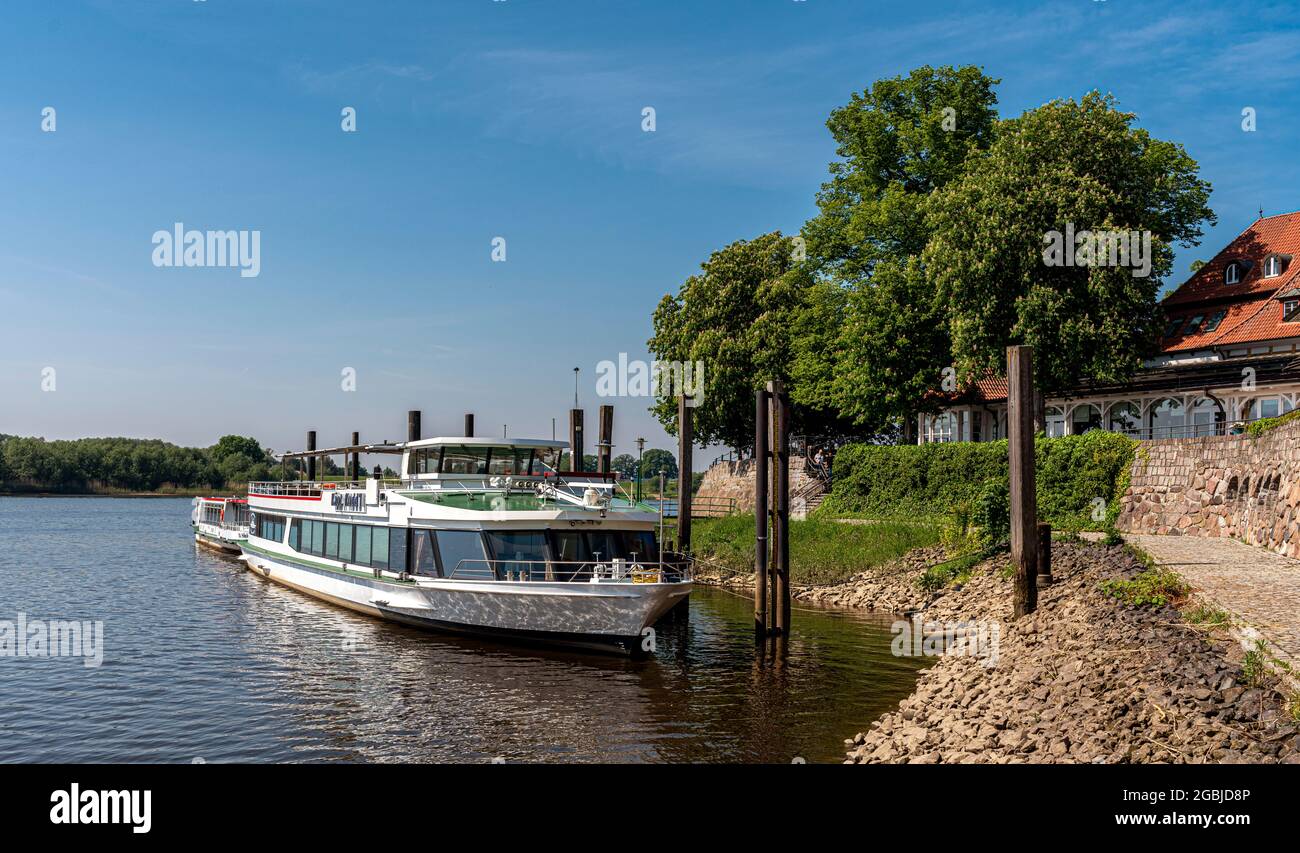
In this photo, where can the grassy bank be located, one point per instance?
(820, 551)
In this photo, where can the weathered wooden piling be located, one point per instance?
(781, 508)
(1044, 555)
(354, 472)
(575, 440)
(413, 425)
(685, 443)
(311, 460)
(605, 444)
(771, 512)
(1024, 507)
(469, 424)
(760, 514)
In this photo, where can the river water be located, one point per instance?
(203, 660)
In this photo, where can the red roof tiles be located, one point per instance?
(1252, 312)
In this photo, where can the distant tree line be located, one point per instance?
(131, 464)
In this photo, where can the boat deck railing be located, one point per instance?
(577, 571)
(314, 488)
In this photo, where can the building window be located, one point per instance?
(1175, 324)
(1215, 319)
(940, 428)
(1168, 419)
(1084, 418)
(1232, 274)
(1273, 266)
(1126, 418)
(1206, 418)
(1055, 422)
(1288, 310)
(1268, 407)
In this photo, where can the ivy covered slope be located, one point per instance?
(937, 479)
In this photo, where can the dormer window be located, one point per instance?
(1289, 310)
(1272, 266)
(1232, 274)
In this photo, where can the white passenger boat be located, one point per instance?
(480, 536)
(220, 523)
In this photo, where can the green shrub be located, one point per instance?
(1259, 427)
(1155, 587)
(992, 513)
(884, 481)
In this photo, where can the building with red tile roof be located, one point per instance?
(1229, 353)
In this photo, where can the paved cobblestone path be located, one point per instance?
(1260, 587)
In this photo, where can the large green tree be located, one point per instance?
(734, 318)
(1065, 166)
(897, 142)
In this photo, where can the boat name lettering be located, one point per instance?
(349, 501)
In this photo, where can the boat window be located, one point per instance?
(464, 460)
(518, 553)
(642, 544)
(425, 460)
(379, 549)
(421, 550)
(345, 543)
(509, 460)
(363, 544)
(545, 459)
(317, 537)
(605, 545)
(332, 540)
(295, 532)
(571, 546)
(269, 526)
(461, 554)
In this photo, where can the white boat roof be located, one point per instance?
(485, 441)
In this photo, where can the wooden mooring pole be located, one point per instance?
(1024, 498)
(760, 514)
(781, 509)
(575, 440)
(685, 445)
(771, 512)
(354, 470)
(311, 460)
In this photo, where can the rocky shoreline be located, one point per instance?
(1086, 679)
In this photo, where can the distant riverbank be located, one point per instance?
(186, 493)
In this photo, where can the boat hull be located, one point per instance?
(226, 546)
(607, 617)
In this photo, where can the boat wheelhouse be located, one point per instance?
(220, 523)
(478, 536)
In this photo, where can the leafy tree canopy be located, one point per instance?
(1066, 165)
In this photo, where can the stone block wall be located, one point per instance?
(735, 480)
(1235, 486)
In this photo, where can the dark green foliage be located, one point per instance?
(129, 464)
(929, 479)
(992, 512)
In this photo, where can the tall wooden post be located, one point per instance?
(1024, 498)
(605, 444)
(685, 473)
(354, 473)
(469, 424)
(413, 425)
(311, 460)
(575, 440)
(781, 509)
(760, 514)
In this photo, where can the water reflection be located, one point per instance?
(205, 659)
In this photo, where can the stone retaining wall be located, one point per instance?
(726, 481)
(1234, 486)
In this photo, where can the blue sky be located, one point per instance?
(479, 119)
